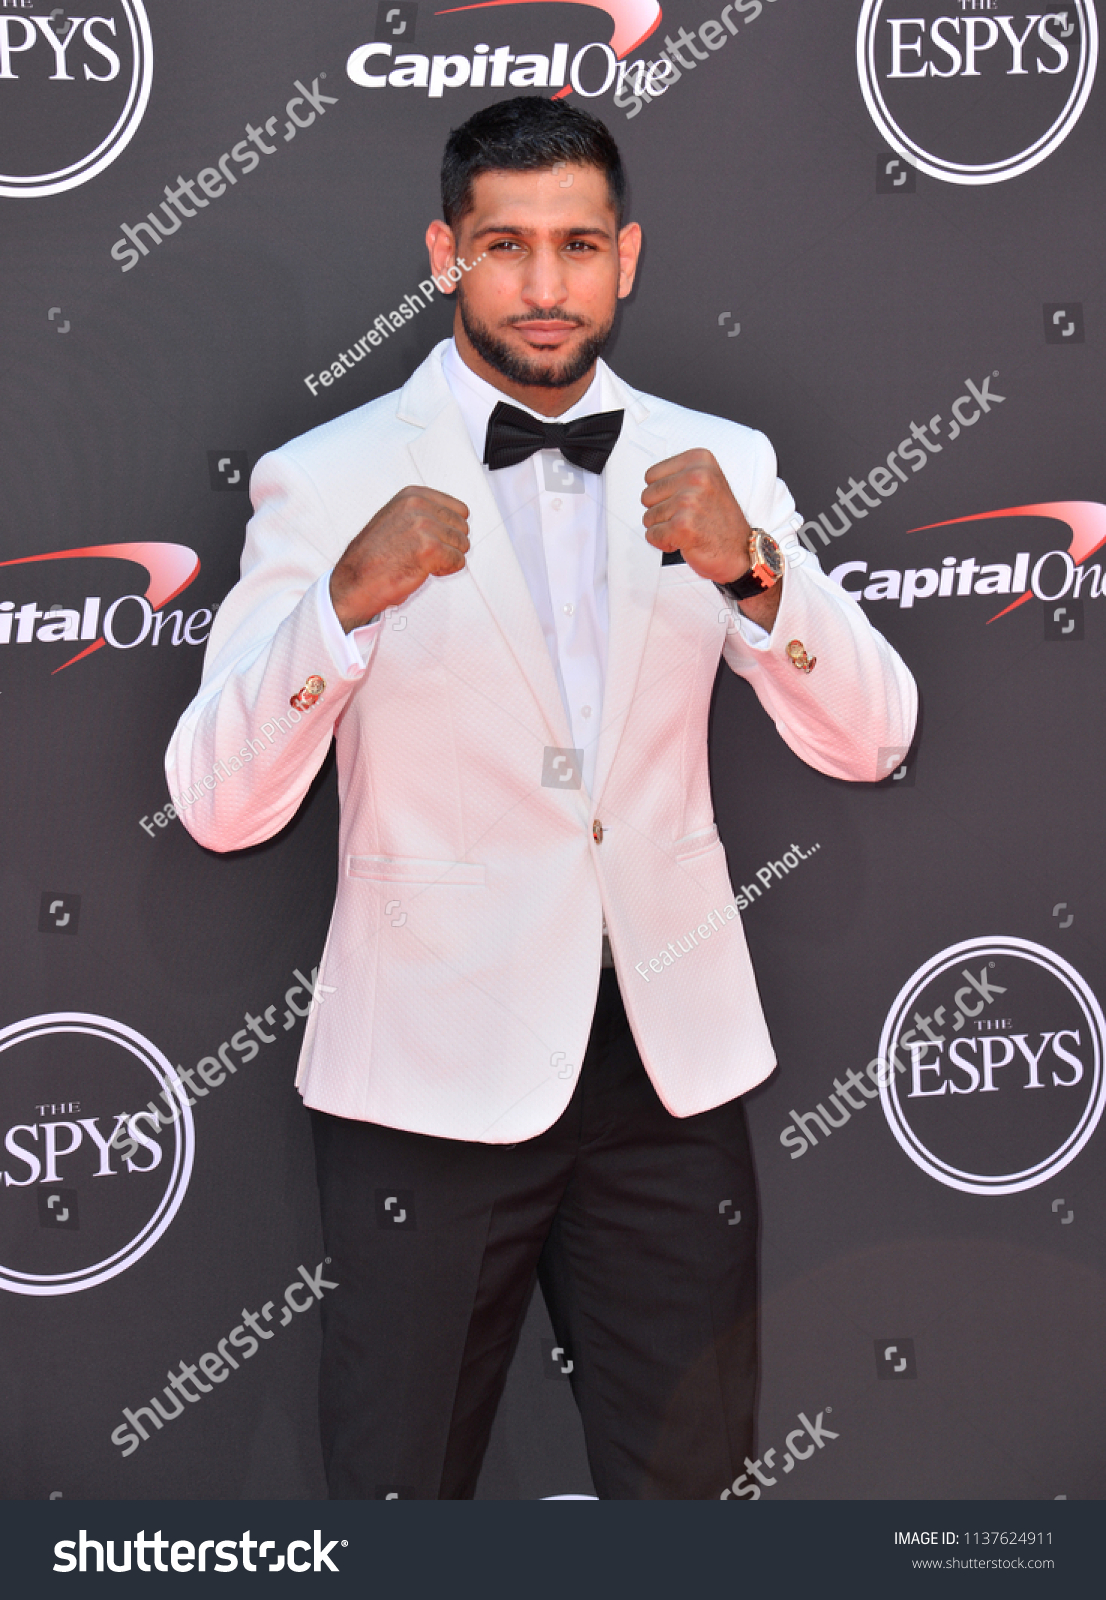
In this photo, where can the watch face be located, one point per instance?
(768, 552)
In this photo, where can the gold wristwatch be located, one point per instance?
(766, 566)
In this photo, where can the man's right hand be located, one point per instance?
(420, 533)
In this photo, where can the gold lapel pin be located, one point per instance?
(306, 697)
(799, 658)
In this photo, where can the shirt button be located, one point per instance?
(569, 609)
(556, 505)
(585, 711)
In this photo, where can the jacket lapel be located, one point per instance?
(445, 460)
(633, 568)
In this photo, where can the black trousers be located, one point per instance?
(625, 1214)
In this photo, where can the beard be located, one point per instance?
(523, 370)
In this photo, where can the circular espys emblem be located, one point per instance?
(92, 1174)
(972, 97)
(997, 1050)
(73, 91)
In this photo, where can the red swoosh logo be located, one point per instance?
(634, 20)
(1086, 520)
(171, 567)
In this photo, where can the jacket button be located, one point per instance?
(597, 831)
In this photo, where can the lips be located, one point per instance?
(544, 334)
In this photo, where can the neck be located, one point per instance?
(546, 402)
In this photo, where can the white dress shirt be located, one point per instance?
(554, 515)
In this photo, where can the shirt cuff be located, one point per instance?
(756, 637)
(349, 651)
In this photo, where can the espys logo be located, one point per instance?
(73, 91)
(75, 1210)
(971, 98)
(1000, 1045)
(374, 66)
(171, 568)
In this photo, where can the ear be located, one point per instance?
(441, 246)
(629, 249)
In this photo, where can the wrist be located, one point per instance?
(734, 577)
(763, 608)
(352, 606)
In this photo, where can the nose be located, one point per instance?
(545, 287)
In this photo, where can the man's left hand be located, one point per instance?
(690, 507)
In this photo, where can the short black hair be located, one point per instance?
(524, 135)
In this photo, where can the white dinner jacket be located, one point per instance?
(462, 963)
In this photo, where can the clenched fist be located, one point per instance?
(420, 533)
(690, 507)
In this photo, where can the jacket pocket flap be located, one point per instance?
(406, 869)
(696, 844)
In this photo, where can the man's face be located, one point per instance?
(540, 305)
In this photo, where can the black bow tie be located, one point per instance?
(515, 435)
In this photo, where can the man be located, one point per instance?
(504, 591)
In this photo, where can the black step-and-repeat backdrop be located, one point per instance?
(875, 231)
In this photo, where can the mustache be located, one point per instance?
(567, 317)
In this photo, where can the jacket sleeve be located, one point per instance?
(853, 714)
(244, 754)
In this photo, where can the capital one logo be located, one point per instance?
(377, 65)
(128, 620)
(634, 20)
(973, 92)
(79, 1205)
(73, 91)
(992, 1077)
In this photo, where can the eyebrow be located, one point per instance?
(558, 233)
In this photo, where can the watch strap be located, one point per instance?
(743, 588)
